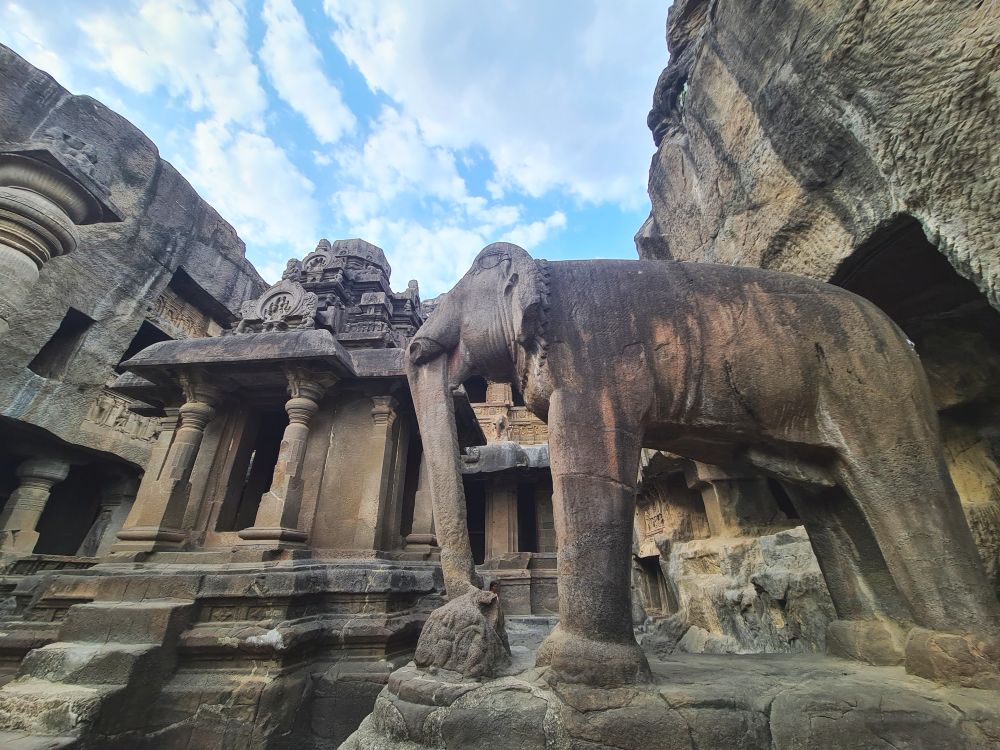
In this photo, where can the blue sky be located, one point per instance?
(429, 128)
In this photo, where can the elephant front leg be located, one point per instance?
(594, 467)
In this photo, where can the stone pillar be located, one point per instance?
(736, 505)
(392, 518)
(114, 505)
(277, 518)
(25, 505)
(46, 189)
(421, 541)
(377, 467)
(158, 513)
(501, 517)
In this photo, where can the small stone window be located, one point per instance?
(53, 359)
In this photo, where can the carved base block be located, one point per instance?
(148, 539)
(954, 659)
(878, 643)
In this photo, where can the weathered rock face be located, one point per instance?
(789, 130)
(743, 595)
(172, 260)
(852, 142)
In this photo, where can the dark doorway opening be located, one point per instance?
(475, 510)
(252, 472)
(781, 498)
(70, 512)
(527, 518)
(475, 388)
(411, 481)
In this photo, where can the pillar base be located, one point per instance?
(263, 535)
(149, 539)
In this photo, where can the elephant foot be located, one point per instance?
(576, 659)
(954, 659)
(877, 642)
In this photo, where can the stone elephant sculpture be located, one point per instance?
(792, 378)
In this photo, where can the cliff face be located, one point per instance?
(119, 274)
(789, 131)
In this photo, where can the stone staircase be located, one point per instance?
(104, 671)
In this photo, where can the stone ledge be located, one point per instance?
(772, 702)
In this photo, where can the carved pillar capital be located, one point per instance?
(307, 384)
(384, 410)
(196, 414)
(198, 389)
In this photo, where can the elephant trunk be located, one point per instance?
(435, 408)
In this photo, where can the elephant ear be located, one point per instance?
(523, 284)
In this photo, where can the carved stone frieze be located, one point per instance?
(180, 317)
(113, 411)
(285, 306)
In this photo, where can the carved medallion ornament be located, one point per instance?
(285, 306)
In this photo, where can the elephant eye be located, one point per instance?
(492, 261)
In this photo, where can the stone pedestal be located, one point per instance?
(157, 516)
(278, 513)
(25, 505)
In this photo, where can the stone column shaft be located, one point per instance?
(421, 539)
(27, 502)
(501, 518)
(157, 516)
(115, 503)
(735, 505)
(278, 513)
(375, 502)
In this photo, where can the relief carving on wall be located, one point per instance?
(180, 316)
(111, 411)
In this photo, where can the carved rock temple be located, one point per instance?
(221, 524)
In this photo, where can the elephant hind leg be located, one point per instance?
(913, 510)
(915, 515)
(872, 614)
(594, 466)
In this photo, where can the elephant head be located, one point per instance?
(486, 325)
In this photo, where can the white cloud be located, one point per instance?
(532, 234)
(295, 68)
(254, 185)
(198, 53)
(396, 158)
(555, 110)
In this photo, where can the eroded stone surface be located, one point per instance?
(744, 595)
(696, 702)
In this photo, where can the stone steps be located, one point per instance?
(104, 671)
(40, 707)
